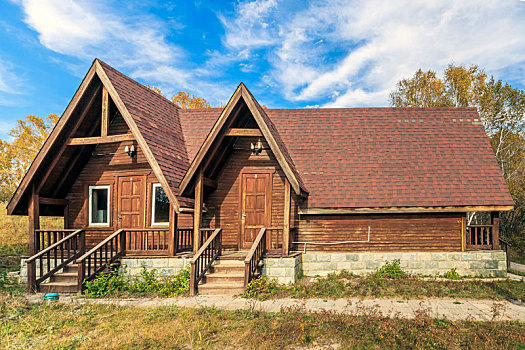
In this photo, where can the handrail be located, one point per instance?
(255, 255)
(506, 246)
(65, 250)
(108, 238)
(204, 258)
(51, 247)
(99, 257)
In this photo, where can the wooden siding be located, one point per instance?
(103, 168)
(402, 232)
(223, 203)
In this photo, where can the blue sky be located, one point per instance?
(289, 53)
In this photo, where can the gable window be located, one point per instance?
(160, 211)
(99, 205)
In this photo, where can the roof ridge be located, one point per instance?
(142, 86)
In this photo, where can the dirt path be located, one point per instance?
(451, 309)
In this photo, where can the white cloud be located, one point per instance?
(353, 52)
(135, 43)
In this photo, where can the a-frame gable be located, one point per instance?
(138, 135)
(61, 137)
(268, 131)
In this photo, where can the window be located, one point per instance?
(160, 211)
(99, 205)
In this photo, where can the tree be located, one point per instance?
(16, 156)
(185, 99)
(502, 111)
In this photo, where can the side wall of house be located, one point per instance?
(224, 203)
(388, 232)
(108, 162)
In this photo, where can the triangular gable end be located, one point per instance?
(138, 136)
(55, 138)
(268, 130)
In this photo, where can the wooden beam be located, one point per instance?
(401, 210)
(173, 243)
(33, 213)
(82, 141)
(104, 125)
(287, 208)
(53, 201)
(26, 181)
(197, 212)
(464, 233)
(66, 217)
(209, 139)
(210, 183)
(494, 218)
(63, 147)
(242, 132)
(135, 131)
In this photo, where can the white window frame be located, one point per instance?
(90, 204)
(153, 223)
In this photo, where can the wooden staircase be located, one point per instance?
(64, 282)
(225, 277)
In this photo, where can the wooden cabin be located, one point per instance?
(135, 175)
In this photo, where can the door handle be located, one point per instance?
(243, 216)
(119, 217)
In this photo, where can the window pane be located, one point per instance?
(99, 206)
(162, 206)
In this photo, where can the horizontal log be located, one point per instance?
(80, 141)
(242, 132)
(52, 201)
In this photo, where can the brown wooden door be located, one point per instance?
(130, 202)
(255, 206)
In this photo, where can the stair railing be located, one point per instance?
(100, 257)
(254, 257)
(204, 258)
(56, 257)
(505, 246)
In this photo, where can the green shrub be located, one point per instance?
(452, 275)
(261, 285)
(4, 281)
(107, 283)
(149, 283)
(391, 270)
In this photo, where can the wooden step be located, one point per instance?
(221, 289)
(58, 287)
(71, 268)
(65, 277)
(218, 277)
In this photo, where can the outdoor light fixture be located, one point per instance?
(130, 150)
(257, 148)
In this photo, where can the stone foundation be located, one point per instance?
(475, 263)
(283, 270)
(165, 266)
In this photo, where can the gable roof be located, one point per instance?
(268, 130)
(382, 157)
(149, 117)
(345, 157)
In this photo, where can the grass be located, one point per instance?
(60, 326)
(14, 237)
(345, 285)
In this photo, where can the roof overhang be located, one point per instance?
(402, 210)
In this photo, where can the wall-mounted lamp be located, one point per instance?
(130, 150)
(257, 148)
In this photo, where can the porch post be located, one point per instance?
(286, 226)
(197, 211)
(173, 237)
(494, 220)
(33, 213)
(464, 233)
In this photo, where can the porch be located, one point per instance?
(62, 259)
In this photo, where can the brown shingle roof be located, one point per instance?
(348, 157)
